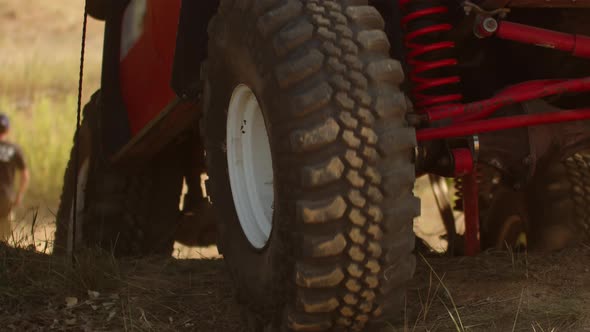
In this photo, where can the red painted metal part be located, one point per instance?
(146, 69)
(425, 61)
(467, 118)
(511, 95)
(421, 73)
(482, 126)
(463, 161)
(471, 211)
(577, 45)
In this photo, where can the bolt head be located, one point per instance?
(490, 25)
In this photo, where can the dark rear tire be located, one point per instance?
(559, 203)
(553, 211)
(340, 249)
(128, 212)
(503, 212)
(506, 220)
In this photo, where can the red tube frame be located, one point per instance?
(468, 117)
(512, 95)
(482, 126)
(576, 45)
(463, 160)
(471, 209)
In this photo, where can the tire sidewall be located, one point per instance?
(343, 202)
(81, 151)
(127, 212)
(261, 271)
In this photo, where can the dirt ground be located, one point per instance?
(497, 291)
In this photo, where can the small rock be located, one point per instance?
(93, 295)
(108, 304)
(71, 301)
(111, 315)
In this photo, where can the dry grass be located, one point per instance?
(500, 292)
(39, 292)
(485, 293)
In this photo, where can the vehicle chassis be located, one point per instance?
(452, 136)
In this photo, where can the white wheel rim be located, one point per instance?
(250, 166)
(80, 203)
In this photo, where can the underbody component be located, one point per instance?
(435, 82)
(491, 4)
(576, 45)
(483, 126)
(516, 152)
(427, 55)
(170, 124)
(442, 112)
(509, 96)
(471, 210)
(190, 51)
(445, 207)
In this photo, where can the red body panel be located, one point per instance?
(146, 69)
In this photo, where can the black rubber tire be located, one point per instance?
(128, 212)
(504, 220)
(341, 247)
(559, 203)
(553, 208)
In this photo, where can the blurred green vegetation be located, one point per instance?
(40, 60)
(43, 128)
(26, 77)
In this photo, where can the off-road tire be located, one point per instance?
(504, 220)
(129, 212)
(341, 247)
(559, 203)
(553, 208)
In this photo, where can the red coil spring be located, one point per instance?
(421, 68)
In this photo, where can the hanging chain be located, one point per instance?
(77, 133)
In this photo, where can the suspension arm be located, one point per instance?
(576, 45)
(493, 4)
(483, 126)
(540, 3)
(511, 95)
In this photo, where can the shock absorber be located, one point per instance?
(435, 81)
(432, 66)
